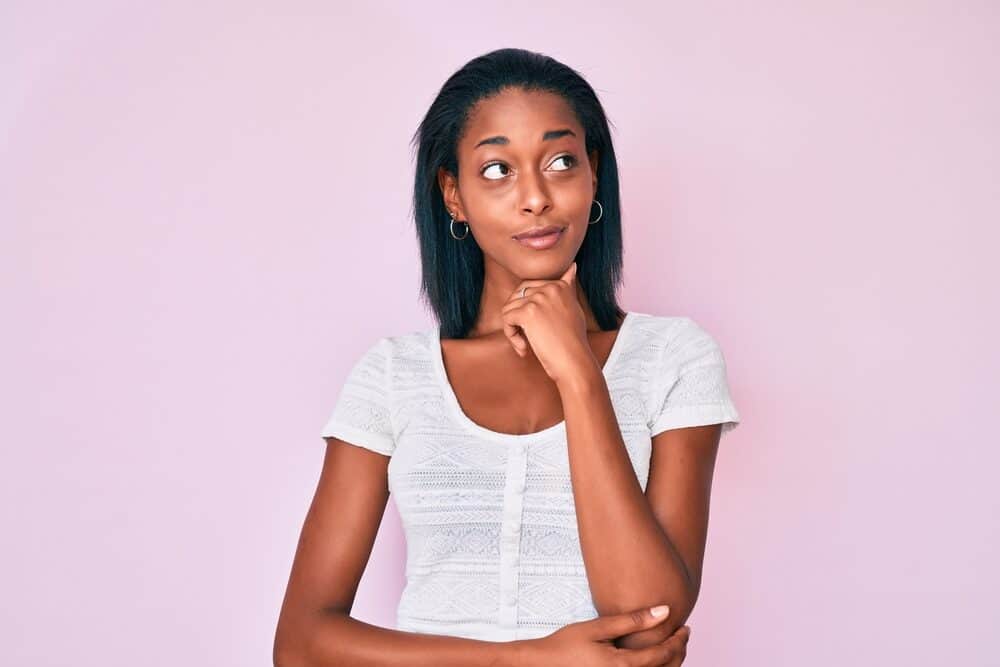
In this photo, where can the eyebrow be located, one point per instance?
(503, 141)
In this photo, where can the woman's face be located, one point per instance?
(523, 167)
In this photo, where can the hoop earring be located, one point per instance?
(451, 228)
(599, 215)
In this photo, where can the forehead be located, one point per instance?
(520, 116)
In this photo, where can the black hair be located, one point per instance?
(452, 271)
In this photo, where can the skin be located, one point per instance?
(640, 549)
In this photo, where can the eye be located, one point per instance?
(490, 166)
(572, 161)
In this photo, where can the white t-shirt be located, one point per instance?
(493, 548)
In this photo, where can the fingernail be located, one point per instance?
(661, 610)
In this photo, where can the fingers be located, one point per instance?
(616, 625)
(651, 656)
(531, 292)
(568, 277)
(678, 643)
(514, 332)
(529, 286)
(669, 653)
(516, 307)
(680, 636)
(512, 312)
(516, 337)
(511, 315)
(655, 635)
(677, 659)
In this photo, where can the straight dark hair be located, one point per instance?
(452, 271)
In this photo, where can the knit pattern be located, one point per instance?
(493, 549)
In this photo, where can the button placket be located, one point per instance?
(510, 534)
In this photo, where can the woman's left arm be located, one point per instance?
(639, 549)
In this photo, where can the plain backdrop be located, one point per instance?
(204, 220)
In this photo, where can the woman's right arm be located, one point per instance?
(314, 626)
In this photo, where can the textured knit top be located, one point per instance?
(492, 544)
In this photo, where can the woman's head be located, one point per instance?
(515, 141)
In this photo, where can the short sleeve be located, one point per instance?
(691, 387)
(362, 412)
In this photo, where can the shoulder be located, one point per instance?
(669, 333)
(384, 359)
(671, 343)
(688, 384)
(398, 344)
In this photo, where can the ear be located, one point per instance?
(593, 166)
(449, 192)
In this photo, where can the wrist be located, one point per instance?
(585, 376)
(521, 653)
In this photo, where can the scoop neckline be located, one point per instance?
(437, 353)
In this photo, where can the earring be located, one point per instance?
(599, 215)
(451, 227)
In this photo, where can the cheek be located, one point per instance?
(577, 232)
(489, 206)
(577, 197)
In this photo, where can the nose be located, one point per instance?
(534, 198)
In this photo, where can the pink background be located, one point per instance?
(204, 221)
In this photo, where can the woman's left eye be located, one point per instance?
(572, 161)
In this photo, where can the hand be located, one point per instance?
(551, 322)
(591, 644)
(657, 635)
(678, 642)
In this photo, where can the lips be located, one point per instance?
(538, 231)
(541, 238)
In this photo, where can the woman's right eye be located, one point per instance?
(490, 166)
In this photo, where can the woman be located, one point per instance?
(551, 455)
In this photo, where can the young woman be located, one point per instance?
(551, 454)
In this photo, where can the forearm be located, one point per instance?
(330, 639)
(630, 561)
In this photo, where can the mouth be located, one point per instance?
(538, 231)
(540, 238)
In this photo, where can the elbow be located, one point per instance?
(681, 594)
(684, 598)
(307, 639)
(286, 656)
(287, 653)
(692, 586)
(290, 648)
(680, 598)
(681, 602)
